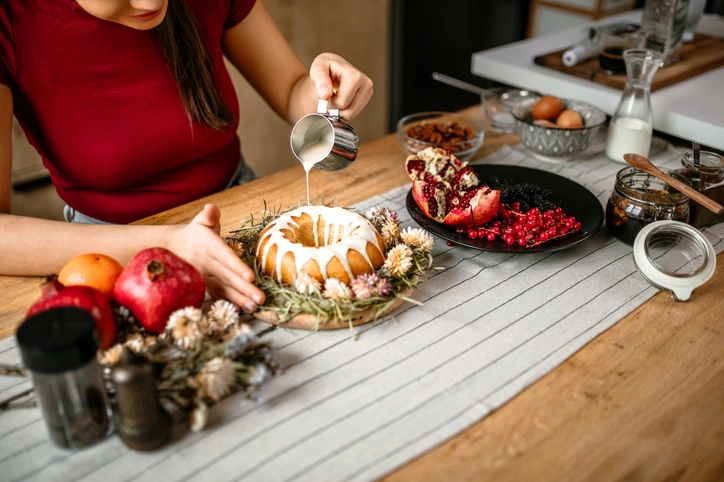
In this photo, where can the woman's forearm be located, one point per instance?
(38, 247)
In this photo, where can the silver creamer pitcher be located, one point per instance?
(325, 141)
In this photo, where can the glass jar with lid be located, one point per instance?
(707, 177)
(639, 199)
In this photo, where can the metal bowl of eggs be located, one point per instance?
(554, 127)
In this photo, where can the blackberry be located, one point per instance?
(528, 195)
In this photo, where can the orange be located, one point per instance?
(91, 269)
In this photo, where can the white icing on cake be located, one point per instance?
(343, 232)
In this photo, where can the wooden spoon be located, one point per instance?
(640, 162)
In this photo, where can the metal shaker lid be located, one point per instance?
(58, 340)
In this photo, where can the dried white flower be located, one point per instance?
(335, 289)
(306, 284)
(111, 355)
(216, 378)
(417, 238)
(239, 338)
(137, 343)
(237, 246)
(390, 233)
(223, 313)
(199, 416)
(184, 328)
(399, 260)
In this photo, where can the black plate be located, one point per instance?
(574, 199)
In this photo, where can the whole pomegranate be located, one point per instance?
(97, 303)
(447, 190)
(154, 284)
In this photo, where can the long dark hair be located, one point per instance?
(188, 56)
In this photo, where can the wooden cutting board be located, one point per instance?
(702, 55)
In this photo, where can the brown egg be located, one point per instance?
(569, 119)
(547, 108)
(544, 123)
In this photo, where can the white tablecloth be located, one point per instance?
(345, 410)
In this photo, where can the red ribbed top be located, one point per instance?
(99, 103)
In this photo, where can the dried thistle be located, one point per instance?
(369, 285)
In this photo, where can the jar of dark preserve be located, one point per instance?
(707, 177)
(639, 199)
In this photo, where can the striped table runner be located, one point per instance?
(345, 410)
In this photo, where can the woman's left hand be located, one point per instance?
(331, 73)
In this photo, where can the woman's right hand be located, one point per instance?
(225, 274)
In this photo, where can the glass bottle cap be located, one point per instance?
(673, 256)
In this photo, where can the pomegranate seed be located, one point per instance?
(450, 243)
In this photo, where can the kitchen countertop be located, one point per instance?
(643, 401)
(692, 109)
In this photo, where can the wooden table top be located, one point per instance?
(643, 401)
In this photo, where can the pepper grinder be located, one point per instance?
(142, 423)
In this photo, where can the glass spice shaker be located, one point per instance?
(59, 347)
(707, 177)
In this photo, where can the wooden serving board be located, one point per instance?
(702, 55)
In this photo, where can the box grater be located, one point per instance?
(663, 25)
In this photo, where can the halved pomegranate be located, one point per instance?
(477, 206)
(434, 162)
(447, 190)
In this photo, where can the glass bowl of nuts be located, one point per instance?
(458, 134)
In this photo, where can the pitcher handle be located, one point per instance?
(322, 109)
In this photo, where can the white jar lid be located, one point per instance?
(674, 256)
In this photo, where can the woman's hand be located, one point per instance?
(226, 275)
(331, 73)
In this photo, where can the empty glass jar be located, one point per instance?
(639, 199)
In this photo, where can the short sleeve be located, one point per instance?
(7, 49)
(238, 10)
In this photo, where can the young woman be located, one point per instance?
(131, 108)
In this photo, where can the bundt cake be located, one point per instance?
(326, 242)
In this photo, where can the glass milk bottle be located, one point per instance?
(631, 125)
